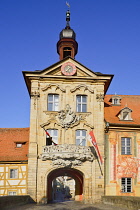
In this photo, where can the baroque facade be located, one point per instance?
(56, 159)
(66, 104)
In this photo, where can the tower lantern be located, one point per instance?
(67, 45)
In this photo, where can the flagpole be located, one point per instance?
(95, 146)
(100, 166)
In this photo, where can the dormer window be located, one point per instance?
(116, 100)
(125, 114)
(18, 145)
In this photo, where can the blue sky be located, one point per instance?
(108, 34)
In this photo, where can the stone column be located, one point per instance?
(32, 156)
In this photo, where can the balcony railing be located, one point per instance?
(67, 154)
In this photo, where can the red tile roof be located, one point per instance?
(131, 101)
(8, 139)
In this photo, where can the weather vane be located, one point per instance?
(68, 4)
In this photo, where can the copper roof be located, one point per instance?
(8, 139)
(112, 111)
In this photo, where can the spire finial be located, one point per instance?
(68, 15)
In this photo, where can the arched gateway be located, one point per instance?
(62, 165)
(54, 194)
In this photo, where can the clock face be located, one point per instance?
(68, 69)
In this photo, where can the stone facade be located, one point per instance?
(66, 121)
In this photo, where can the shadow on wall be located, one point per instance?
(8, 201)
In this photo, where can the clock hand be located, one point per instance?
(68, 68)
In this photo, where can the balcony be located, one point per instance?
(67, 155)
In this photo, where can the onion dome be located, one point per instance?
(67, 45)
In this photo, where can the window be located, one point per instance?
(81, 101)
(13, 173)
(12, 193)
(125, 114)
(126, 185)
(81, 137)
(125, 146)
(53, 135)
(18, 145)
(53, 102)
(67, 52)
(116, 100)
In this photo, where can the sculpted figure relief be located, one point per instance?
(67, 155)
(67, 117)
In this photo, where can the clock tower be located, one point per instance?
(67, 45)
(67, 109)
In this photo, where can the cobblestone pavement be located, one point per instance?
(69, 205)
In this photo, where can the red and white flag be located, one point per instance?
(47, 133)
(93, 141)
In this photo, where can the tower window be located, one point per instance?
(53, 135)
(66, 52)
(81, 101)
(81, 137)
(53, 101)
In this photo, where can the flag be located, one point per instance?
(67, 4)
(93, 141)
(49, 140)
(47, 133)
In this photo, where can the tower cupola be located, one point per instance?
(67, 45)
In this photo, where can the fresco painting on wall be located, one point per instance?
(127, 166)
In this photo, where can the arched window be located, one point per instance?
(81, 137)
(125, 114)
(66, 52)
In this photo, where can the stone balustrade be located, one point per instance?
(67, 154)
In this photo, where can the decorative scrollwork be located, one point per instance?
(35, 94)
(82, 86)
(67, 118)
(57, 87)
(67, 155)
(100, 97)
